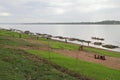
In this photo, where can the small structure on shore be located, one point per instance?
(60, 37)
(96, 38)
(72, 39)
(97, 43)
(110, 46)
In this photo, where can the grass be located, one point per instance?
(15, 65)
(68, 46)
(92, 70)
(62, 45)
(15, 34)
(12, 41)
(15, 42)
(58, 45)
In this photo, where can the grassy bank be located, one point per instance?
(60, 45)
(69, 46)
(91, 70)
(16, 65)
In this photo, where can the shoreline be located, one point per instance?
(90, 46)
(86, 46)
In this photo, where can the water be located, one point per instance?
(111, 33)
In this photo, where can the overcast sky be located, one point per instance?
(58, 10)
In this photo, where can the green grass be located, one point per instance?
(92, 70)
(62, 45)
(12, 41)
(68, 46)
(15, 34)
(59, 45)
(102, 52)
(15, 65)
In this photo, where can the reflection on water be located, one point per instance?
(109, 32)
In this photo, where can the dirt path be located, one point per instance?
(111, 62)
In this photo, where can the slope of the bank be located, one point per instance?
(18, 65)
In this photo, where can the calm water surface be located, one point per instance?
(111, 33)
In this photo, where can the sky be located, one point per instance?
(58, 10)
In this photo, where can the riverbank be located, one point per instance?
(16, 64)
(84, 32)
(90, 46)
(65, 55)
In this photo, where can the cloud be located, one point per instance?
(4, 14)
(59, 10)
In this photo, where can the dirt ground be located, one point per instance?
(111, 62)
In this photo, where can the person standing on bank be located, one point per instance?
(81, 48)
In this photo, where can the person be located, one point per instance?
(81, 47)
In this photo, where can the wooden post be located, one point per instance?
(20, 36)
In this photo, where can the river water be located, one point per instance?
(111, 33)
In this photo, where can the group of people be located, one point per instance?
(101, 57)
